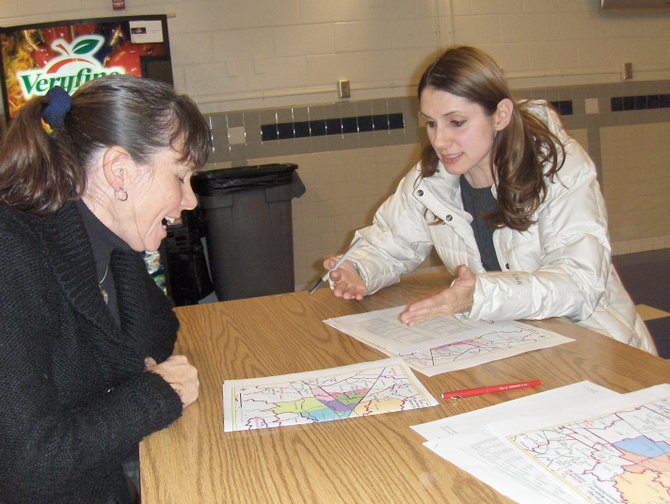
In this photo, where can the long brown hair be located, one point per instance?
(39, 171)
(524, 154)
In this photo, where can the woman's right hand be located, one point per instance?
(347, 283)
(457, 298)
(180, 374)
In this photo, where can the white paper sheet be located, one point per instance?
(530, 405)
(383, 329)
(445, 343)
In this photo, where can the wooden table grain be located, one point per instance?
(375, 459)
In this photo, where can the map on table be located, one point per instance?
(498, 340)
(618, 457)
(445, 343)
(580, 443)
(358, 390)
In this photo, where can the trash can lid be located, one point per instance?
(246, 171)
(225, 180)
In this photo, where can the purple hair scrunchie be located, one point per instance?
(58, 104)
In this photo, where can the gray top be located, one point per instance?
(478, 201)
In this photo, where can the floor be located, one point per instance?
(646, 276)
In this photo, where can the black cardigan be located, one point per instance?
(74, 397)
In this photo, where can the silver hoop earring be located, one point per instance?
(121, 194)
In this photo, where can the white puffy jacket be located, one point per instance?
(560, 267)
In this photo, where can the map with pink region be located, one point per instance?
(619, 457)
(359, 390)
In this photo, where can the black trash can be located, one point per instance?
(249, 227)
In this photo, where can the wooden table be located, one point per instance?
(375, 459)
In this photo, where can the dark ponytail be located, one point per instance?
(40, 171)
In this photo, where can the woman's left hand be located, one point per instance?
(180, 374)
(455, 299)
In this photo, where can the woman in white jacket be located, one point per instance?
(511, 204)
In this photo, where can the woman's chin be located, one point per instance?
(154, 242)
(152, 247)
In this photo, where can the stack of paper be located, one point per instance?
(445, 343)
(609, 448)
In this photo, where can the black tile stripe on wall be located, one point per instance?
(643, 102)
(564, 107)
(334, 126)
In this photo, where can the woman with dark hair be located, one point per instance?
(86, 336)
(511, 204)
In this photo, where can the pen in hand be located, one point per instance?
(491, 389)
(339, 262)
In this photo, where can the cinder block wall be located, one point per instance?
(277, 62)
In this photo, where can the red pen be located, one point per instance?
(491, 389)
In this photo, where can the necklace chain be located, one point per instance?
(104, 276)
(105, 294)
